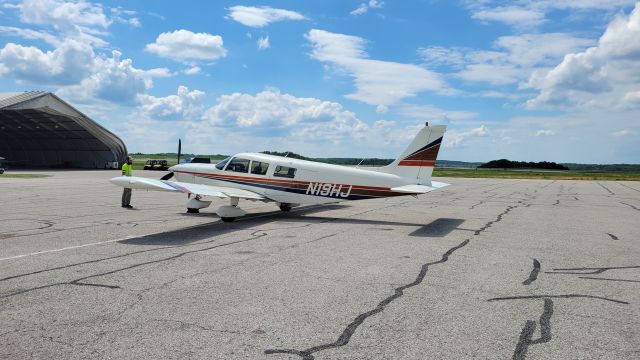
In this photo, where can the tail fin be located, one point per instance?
(419, 158)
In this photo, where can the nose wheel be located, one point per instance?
(285, 207)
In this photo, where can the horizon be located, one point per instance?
(526, 80)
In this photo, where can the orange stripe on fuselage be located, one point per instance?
(417, 163)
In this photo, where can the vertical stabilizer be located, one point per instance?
(419, 158)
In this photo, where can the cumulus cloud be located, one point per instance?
(459, 138)
(609, 67)
(63, 13)
(184, 45)
(438, 56)
(377, 82)
(261, 16)
(263, 43)
(513, 60)
(114, 80)
(186, 105)
(67, 64)
(624, 132)
(194, 70)
(544, 132)
(511, 15)
(78, 20)
(434, 113)
(31, 34)
(124, 16)
(631, 100)
(364, 7)
(530, 13)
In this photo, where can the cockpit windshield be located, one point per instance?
(222, 163)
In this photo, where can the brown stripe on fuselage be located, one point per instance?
(301, 185)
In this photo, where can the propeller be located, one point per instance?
(170, 174)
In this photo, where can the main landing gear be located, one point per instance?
(230, 212)
(194, 205)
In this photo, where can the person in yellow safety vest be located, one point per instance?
(127, 170)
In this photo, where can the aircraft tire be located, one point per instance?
(192, 210)
(227, 219)
(285, 207)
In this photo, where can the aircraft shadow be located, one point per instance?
(437, 228)
(191, 234)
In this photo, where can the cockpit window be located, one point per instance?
(238, 165)
(259, 168)
(284, 171)
(222, 163)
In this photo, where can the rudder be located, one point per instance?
(419, 158)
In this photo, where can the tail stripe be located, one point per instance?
(430, 145)
(425, 156)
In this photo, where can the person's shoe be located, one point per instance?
(124, 206)
(129, 206)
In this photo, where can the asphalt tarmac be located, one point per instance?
(485, 268)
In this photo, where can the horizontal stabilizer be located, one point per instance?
(419, 189)
(133, 182)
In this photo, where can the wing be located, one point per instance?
(134, 182)
(419, 189)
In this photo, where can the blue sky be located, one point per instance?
(524, 80)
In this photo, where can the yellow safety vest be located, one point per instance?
(127, 169)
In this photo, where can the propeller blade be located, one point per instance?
(179, 149)
(167, 176)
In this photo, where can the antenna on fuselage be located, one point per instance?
(361, 161)
(287, 154)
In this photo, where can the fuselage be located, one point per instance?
(294, 181)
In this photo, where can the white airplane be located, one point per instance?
(291, 182)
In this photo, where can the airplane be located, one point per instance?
(292, 182)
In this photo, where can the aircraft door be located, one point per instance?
(290, 184)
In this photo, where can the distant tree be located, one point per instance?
(287, 154)
(508, 164)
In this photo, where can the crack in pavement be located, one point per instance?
(255, 235)
(74, 282)
(185, 325)
(628, 187)
(529, 328)
(631, 206)
(606, 188)
(581, 271)
(534, 273)
(608, 279)
(344, 338)
(562, 296)
(613, 237)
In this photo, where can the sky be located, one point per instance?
(546, 80)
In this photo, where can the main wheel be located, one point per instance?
(285, 207)
(193, 210)
(227, 219)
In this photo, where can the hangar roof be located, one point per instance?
(35, 122)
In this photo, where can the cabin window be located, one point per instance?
(259, 168)
(222, 163)
(284, 171)
(238, 165)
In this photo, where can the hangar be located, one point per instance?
(38, 129)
